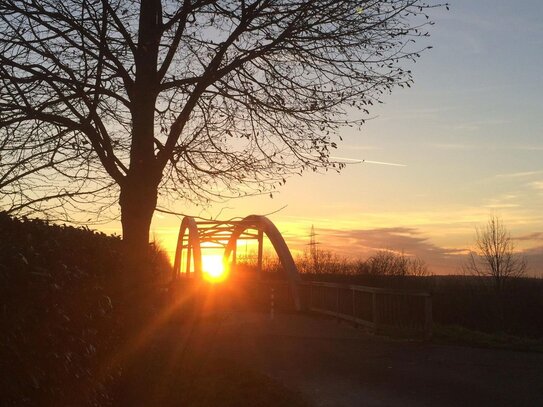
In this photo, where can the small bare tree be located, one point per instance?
(494, 255)
(418, 267)
(389, 263)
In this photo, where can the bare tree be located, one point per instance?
(390, 263)
(418, 267)
(35, 163)
(386, 263)
(494, 255)
(197, 100)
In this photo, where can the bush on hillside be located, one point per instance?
(59, 288)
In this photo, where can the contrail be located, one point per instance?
(383, 163)
(357, 161)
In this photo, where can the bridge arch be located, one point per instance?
(191, 236)
(263, 224)
(188, 225)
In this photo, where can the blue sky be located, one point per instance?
(469, 133)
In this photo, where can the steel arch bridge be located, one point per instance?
(195, 235)
(379, 309)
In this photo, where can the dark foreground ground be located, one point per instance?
(334, 364)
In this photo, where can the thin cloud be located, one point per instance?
(467, 146)
(453, 146)
(523, 174)
(534, 259)
(537, 185)
(501, 206)
(530, 148)
(363, 243)
(530, 237)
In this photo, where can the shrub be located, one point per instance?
(58, 293)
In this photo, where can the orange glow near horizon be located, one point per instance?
(213, 268)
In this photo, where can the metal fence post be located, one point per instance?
(272, 303)
(337, 300)
(354, 302)
(375, 312)
(428, 317)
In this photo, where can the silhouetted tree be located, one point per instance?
(389, 263)
(494, 255)
(418, 267)
(42, 170)
(161, 100)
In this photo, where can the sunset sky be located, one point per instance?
(468, 135)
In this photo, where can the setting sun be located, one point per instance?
(213, 268)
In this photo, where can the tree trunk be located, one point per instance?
(140, 187)
(137, 309)
(137, 295)
(138, 200)
(137, 207)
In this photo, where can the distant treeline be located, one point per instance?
(382, 263)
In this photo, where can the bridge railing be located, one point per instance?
(379, 309)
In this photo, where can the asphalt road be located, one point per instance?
(335, 364)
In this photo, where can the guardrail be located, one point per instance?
(379, 309)
(382, 310)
